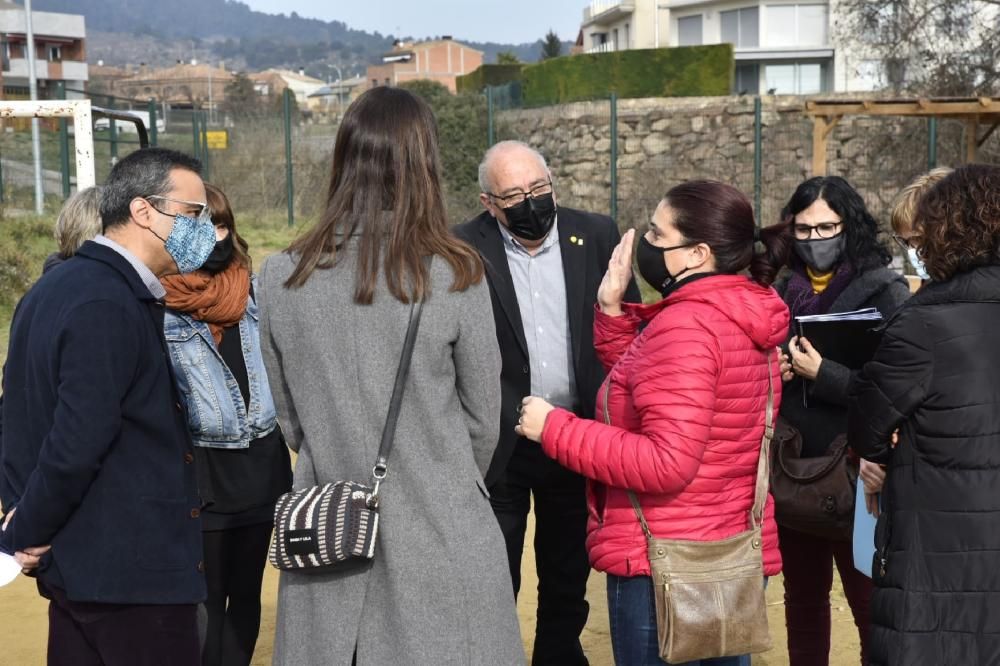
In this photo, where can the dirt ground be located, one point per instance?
(23, 618)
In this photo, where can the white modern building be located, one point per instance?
(781, 46)
(60, 51)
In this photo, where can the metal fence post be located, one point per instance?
(63, 144)
(205, 157)
(194, 135)
(932, 128)
(152, 122)
(614, 156)
(2, 197)
(290, 185)
(489, 117)
(113, 132)
(758, 157)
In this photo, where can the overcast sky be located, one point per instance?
(506, 21)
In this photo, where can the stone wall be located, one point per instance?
(662, 142)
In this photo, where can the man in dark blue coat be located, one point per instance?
(96, 474)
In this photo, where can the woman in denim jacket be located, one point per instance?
(242, 462)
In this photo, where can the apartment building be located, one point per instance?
(60, 51)
(781, 46)
(183, 86)
(441, 60)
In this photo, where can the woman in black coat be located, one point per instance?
(838, 264)
(935, 380)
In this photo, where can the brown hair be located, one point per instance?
(385, 186)
(904, 208)
(721, 216)
(222, 215)
(958, 221)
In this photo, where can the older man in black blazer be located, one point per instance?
(544, 263)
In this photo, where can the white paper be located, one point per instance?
(9, 569)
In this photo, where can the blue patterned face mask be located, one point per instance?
(190, 242)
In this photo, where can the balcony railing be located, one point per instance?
(608, 9)
(606, 47)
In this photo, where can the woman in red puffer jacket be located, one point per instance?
(686, 396)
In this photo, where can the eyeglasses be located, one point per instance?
(518, 198)
(823, 230)
(203, 212)
(906, 242)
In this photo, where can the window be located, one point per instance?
(55, 54)
(689, 31)
(747, 79)
(795, 78)
(741, 27)
(374, 83)
(796, 25)
(388, 81)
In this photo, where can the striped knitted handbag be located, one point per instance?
(325, 527)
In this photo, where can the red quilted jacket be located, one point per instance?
(687, 399)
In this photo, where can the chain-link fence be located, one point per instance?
(607, 155)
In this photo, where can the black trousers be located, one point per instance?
(560, 549)
(92, 634)
(234, 572)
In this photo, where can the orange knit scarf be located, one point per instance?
(218, 300)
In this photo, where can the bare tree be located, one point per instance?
(932, 47)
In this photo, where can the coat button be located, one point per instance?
(201, 566)
(525, 369)
(195, 513)
(188, 458)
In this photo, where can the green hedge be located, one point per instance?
(687, 71)
(488, 75)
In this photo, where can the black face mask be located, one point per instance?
(653, 268)
(222, 255)
(532, 219)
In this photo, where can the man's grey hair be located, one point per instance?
(485, 184)
(143, 173)
(78, 221)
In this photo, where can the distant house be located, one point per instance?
(334, 97)
(441, 60)
(783, 46)
(60, 51)
(183, 86)
(273, 82)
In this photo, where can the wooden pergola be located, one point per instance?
(973, 111)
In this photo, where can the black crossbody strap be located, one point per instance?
(389, 430)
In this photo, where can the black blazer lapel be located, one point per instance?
(498, 271)
(577, 256)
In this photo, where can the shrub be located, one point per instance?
(689, 71)
(488, 75)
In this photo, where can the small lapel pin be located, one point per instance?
(575, 241)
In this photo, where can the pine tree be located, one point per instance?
(551, 46)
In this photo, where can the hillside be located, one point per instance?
(130, 31)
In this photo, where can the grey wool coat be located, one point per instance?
(439, 589)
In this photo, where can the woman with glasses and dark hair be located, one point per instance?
(684, 401)
(335, 308)
(240, 456)
(836, 263)
(934, 381)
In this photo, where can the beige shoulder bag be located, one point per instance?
(710, 594)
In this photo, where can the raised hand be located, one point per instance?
(612, 290)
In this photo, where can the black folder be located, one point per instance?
(848, 338)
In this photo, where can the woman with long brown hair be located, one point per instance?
(335, 312)
(240, 456)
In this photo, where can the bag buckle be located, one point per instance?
(378, 473)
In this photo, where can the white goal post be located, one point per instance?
(83, 133)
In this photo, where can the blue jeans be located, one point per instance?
(632, 610)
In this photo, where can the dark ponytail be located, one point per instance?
(777, 241)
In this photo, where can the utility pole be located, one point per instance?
(36, 145)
